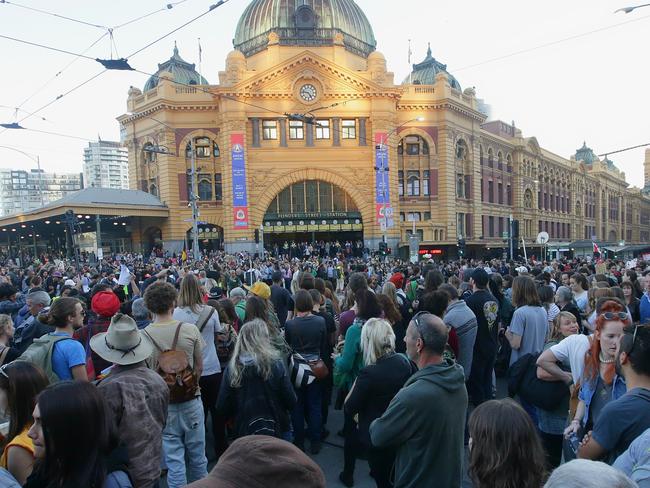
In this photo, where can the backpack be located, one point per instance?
(175, 370)
(39, 353)
(523, 381)
(226, 342)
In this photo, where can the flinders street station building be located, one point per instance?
(306, 135)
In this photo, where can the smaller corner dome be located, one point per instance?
(424, 73)
(585, 154)
(181, 70)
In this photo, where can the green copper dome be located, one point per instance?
(304, 23)
(585, 154)
(182, 71)
(424, 73)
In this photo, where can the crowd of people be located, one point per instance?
(117, 374)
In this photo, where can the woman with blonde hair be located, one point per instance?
(256, 389)
(378, 382)
(191, 309)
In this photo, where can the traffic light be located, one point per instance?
(461, 247)
(383, 248)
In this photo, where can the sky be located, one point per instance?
(563, 71)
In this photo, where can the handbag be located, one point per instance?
(319, 368)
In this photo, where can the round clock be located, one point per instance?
(308, 92)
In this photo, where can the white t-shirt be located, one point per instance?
(210, 360)
(571, 350)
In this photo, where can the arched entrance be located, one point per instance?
(210, 237)
(152, 240)
(312, 212)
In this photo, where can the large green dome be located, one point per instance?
(304, 23)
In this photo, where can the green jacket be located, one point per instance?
(240, 310)
(425, 423)
(350, 362)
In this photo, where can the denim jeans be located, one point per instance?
(308, 407)
(184, 435)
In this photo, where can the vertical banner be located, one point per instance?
(382, 182)
(239, 194)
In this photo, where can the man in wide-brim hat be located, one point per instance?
(137, 397)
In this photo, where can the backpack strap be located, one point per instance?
(203, 320)
(178, 331)
(153, 341)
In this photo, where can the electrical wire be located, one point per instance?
(167, 7)
(210, 9)
(54, 14)
(58, 134)
(623, 150)
(50, 48)
(548, 44)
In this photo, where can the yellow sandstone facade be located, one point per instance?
(306, 127)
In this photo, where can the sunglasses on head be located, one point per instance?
(418, 324)
(614, 315)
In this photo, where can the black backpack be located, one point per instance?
(523, 381)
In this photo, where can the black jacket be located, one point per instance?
(374, 389)
(255, 398)
(307, 335)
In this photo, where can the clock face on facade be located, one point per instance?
(308, 92)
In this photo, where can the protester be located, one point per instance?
(182, 437)
(581, 473)
(486, 309)
(269, 462)
(631, 301)
(74, 440)
(347, 366)
(281, 298)
(460, 317)
(55, 353)
(140, 313)
(504, 449)
(238, 297)
(136, 397)
(635, 462)
(580, 287)
(104, 305)
(600, 383)
(626, 418)
(31, 327)
(564, 301)
(7, 353)
(306, 335)
(256, 389)
(377, 384)
(551, 423)
(426, 450)
(190, 309)
(20, 383)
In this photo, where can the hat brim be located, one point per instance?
(140, 353)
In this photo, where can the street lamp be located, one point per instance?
(384, 170)
(37, 160)
(627, 10)
(193, 196)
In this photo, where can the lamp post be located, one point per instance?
(382, 147)
(37, 160)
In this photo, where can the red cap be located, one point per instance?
(105, 303)
(397, 279)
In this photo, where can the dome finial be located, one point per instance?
(429, 51)
(175, 49)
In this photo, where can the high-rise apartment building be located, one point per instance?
(24, 191)
(106, 165)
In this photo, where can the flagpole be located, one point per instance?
(200, 60)
(410, 68)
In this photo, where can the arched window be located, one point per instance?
(500, 160)
(528, 199)
(205, 188)
(205, 148)
(480, 154)
(578, 208)
(461, 150)
(509, 163)
(413, 184)
(490, 158)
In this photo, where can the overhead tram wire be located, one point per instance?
(548, 44)
(108, 31)
(210, 9)
(54, 15)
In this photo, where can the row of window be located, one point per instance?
(501, 197)
(297, 129)
(413, 216)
